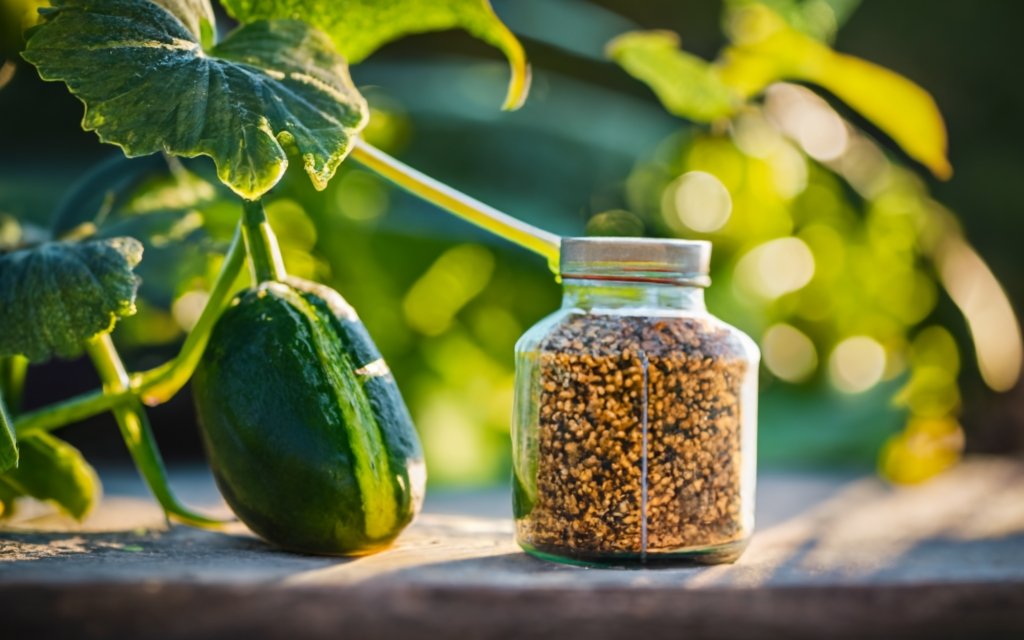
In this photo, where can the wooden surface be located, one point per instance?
(834, 557)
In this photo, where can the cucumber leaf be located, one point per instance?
(687, 86)
(57, 295)
(8, 440)
(765, 49)
(360, 27)
(148, 85)
(54, 471)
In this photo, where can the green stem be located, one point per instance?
(157, 385)
(12, 381)
(66, 412)
(528, 236)
(134, 424)
(261, 244)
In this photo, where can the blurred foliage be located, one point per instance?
(828, 246)
(764, 49)
(15, 17)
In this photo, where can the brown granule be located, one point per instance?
(597, 374)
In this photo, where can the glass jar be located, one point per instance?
(634, 430)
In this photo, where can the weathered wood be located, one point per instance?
(833, 558)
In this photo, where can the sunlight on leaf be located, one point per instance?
(765, 50)
(54, 471)
(360, 27)
(56, 296)
(196, 15)
(819, 19)
(149, 85)
(687, 86)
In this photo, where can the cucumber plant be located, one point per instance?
(286, 356)
(308, 436)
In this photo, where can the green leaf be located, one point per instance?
(819, 19)
(360, 27)
(687, 86)
(57, 295)
(765, 50)
(8, 440)
(54, 471)
(148, 85)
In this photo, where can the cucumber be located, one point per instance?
(307, 435)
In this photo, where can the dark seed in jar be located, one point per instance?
(639, 436)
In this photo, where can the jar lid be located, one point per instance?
(651, 259)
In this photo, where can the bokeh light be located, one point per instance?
(788, 353)
(857, 364)
(188, 307)
(808, 120)
(990, 318)
(775, 268)
(458, 275)
(700, 201)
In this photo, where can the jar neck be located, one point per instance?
(624, 294)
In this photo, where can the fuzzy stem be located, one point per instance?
(134, 424)
(261, 244)
(501, 224)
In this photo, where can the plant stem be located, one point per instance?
(63, 413)
(137, 433)
(12, 381)
(501, 224)
(159, 385)
(261, 244)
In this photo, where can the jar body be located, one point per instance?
(634, 429)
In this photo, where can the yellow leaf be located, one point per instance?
(925, 448)
(687, 86)
(765, 50)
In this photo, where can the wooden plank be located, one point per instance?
(833, 557)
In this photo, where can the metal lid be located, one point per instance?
(653, 259)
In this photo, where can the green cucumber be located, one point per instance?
(307, 434)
